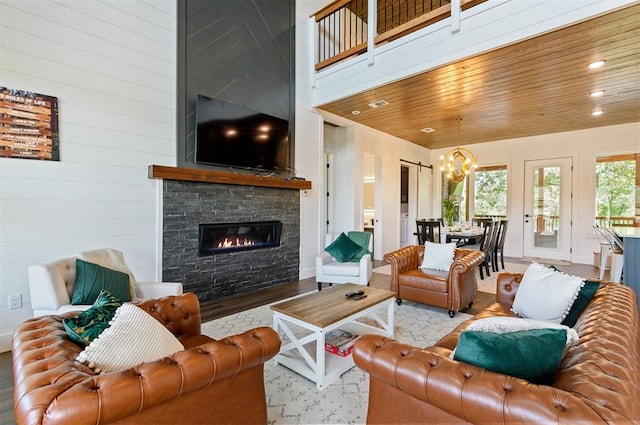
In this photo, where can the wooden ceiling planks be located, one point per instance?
(537, 86)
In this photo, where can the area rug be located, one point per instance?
(547, 261)
(293, 399)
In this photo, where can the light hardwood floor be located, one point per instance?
(214, 309)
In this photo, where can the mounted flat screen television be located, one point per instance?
(233, 136)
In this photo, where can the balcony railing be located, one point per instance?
(615, 221)
(344, 30)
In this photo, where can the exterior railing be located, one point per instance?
(343, 27)
(552, 223)
(615, 221)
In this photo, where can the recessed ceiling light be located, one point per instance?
(597, 112)
(597, 64)
(596, 93)
(427, 130)
(378, 103)
(355, 112)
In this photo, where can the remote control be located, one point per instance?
(359, 297)
(353, 294)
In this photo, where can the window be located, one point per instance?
(616, 178)
(456, 192)
(490, 191)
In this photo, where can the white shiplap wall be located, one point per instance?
(112, 66)
(308, 163)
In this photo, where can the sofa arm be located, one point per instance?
(52, 389)
(459, 389)
(507, 285)
(466, 260)
(149, 290)
(402, 260)
(48, 284)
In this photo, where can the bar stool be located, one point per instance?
(617, 254)
(605, 248)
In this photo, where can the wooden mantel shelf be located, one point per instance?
(208, 176)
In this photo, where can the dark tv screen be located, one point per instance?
(234, 136)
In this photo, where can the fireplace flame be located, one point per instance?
(230, 242)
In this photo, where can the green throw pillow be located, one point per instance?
(533, 354)
(362, 239)
(343, 248)
(86, 326)
(584, 297)
(92, 278)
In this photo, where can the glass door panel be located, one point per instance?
(547, 220)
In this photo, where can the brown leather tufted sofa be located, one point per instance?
(453, 290)
(598, 380)
(209, 382)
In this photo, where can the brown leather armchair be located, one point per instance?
(209, 382)
(453, 290)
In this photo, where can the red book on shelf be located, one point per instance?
(340, 342)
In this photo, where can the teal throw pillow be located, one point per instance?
(343, 248)
(362, 239)
(584, 297)
(86, 326)
(533, 354)
(92, 278)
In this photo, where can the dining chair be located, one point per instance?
(479, 222)
(499, 249)
(487, 245)
(428, 231)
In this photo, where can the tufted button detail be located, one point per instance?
(507, 388)
(467, 375)
(432, 362)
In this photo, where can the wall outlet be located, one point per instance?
(15, 301)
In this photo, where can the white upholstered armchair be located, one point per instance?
(329, 270)
(51, 285)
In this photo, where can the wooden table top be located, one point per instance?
(330, 305)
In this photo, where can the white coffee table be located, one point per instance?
(303, 323)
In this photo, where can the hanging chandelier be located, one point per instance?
(459, 162)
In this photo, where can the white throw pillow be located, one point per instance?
(438, 256)
(546, 294)
(134, 337)
(501, 325)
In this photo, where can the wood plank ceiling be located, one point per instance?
(538, 86)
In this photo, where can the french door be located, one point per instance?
(547, 209)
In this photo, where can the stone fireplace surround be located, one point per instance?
(187, 204)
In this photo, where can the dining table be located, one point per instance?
(460, 234)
